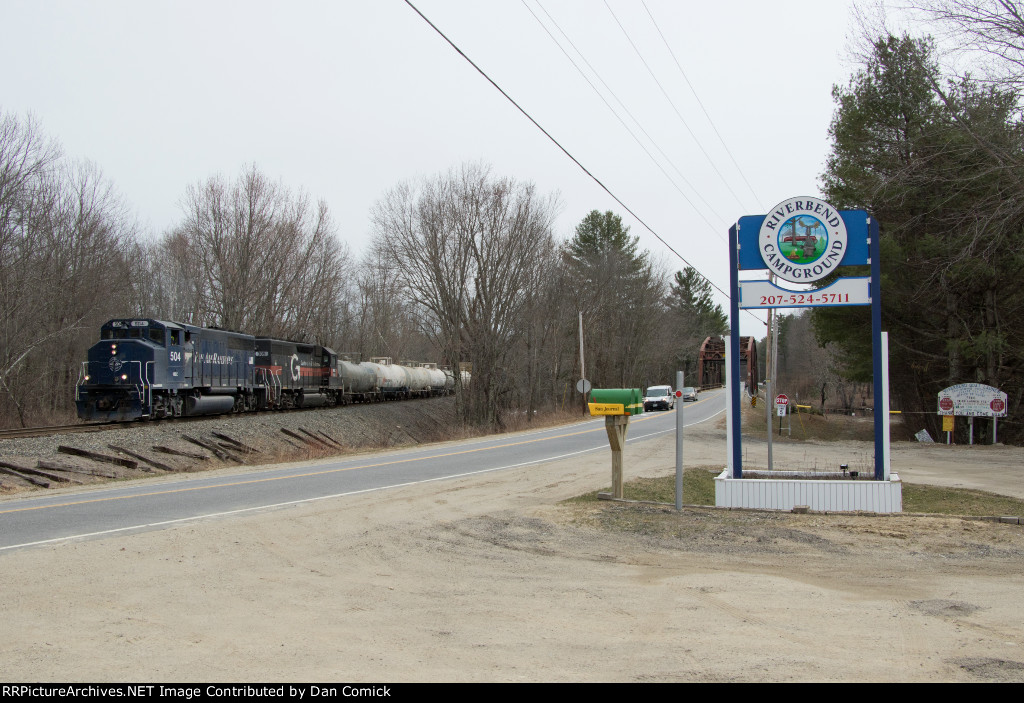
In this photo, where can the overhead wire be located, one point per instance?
(704, 109)
(674, 108)
(565, 151)
(622, 105)
(757, 201)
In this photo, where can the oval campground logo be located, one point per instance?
(802, 239)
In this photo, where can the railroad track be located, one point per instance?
(23, 432)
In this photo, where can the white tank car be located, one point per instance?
(357, 378)
(418, 379)
(449, 378)
(437, 379)
(391, 378)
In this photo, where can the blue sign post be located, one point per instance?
(802, 240)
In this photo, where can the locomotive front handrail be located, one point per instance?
(147, 384)
(83, 371)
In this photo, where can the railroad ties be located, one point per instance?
(234, 443)
(142, 458)
(23, 473)
(314, 440)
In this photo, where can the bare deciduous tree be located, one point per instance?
(64, 239)
(990, 29)
(251, 256)
(466, 246)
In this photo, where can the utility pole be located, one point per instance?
(583, 367)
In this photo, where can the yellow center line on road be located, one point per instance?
(303, 475)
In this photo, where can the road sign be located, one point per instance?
(781, 403)
(972, 400)
(583, 385)
(678, 393)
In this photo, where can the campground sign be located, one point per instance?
(972, 400)
(806, 244)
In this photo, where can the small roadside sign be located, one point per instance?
(781, 402)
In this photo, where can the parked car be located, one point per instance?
(659, 398)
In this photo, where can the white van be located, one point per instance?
(659, 398)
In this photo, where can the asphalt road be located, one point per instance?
(142, 506)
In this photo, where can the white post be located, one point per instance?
(729, 429)
(885, 406)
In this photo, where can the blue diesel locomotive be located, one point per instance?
(145, 368)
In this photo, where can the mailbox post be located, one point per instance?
(617, 405)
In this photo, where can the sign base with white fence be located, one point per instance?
(785, 490)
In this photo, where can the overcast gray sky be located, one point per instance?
(347, 99)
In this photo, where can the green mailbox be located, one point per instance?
(616, 401)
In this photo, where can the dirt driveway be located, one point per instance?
(488, 578)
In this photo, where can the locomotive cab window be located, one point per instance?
(156, 335)
(175, 337)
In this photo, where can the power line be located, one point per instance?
(699, 102)
(566, 152)
(674, 108)
(582, 73)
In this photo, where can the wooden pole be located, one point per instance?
(617, 427)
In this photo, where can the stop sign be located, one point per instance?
(946, 404)
(997, 405)
(781, 399)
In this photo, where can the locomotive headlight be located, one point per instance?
(113, 346)
(124, 377)
(87, 378)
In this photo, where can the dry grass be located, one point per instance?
(519, 421)
(699, 489)
(804, 425)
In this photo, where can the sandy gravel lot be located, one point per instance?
(489, 579)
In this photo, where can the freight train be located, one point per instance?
(148, 369)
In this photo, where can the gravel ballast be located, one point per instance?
(275, 437)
